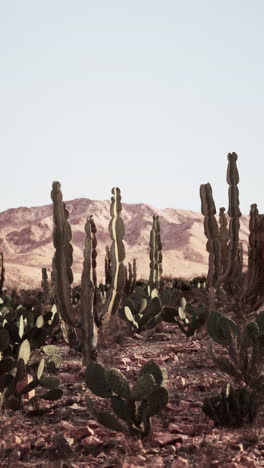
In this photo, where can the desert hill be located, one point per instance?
(26, 239)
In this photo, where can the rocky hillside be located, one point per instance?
(26, 239)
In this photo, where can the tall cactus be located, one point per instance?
(252, 243)
(62, 276)
(62, 262)
(155, 254)
(88, 284)
(224, 264)
(212, 234)
(254, 293)
(234, 214)
(108, 275)
(117, 252)
(224, 238)
(225, 250)
(130, 277)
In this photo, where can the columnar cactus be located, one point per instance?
(62, 262)
(117, 252)
(233, 267)
(254, 292)
(88, 284)
(226, 252)
(108, 275)
(224, 238)
(226, 275)
(212, 233)
(62, 275)
(155, 254)
(252, 251)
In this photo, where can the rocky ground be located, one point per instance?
(63, 434)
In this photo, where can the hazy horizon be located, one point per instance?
(147, 96)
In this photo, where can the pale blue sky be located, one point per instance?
(146, 95)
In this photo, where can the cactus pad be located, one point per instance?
(143, 387)
(157, 400)
(50, 382)
(95, 377)
(152, 368)
(117, 382)
(40, 368)
(108, 420)
(52, 395)
(124, 409)
(24, 351)
(221, 328)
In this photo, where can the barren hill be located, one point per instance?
(26, 239)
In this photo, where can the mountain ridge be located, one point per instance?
(26, 239)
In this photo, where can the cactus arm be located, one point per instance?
(117, 251)
(224, 238)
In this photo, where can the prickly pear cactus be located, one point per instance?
(134, 407)
(221, 328)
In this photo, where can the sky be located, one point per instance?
(146, 95)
